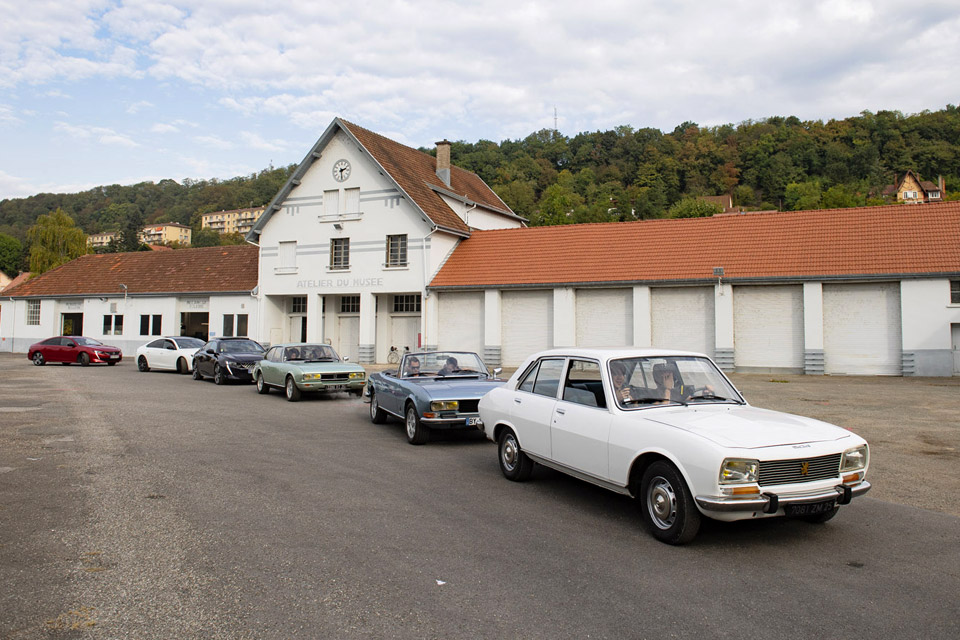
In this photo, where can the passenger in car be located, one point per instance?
(451, 366)
(411, 367)
(293, 354)
(669, 388)
(622, 389)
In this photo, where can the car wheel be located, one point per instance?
(182, 366)
(293, 391)
(38, 359)
(820, 518)
(84, 359)
(142, 364)
(666, 504)
(514, 463)
(262, 386)
(218, 377)
(416, 432)
(196, 371)
(111, 363)
(377, 415)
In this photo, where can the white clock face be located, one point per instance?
(341, 170)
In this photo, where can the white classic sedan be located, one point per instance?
(669, 429)
(174, 353)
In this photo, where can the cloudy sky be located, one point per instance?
(120, 91)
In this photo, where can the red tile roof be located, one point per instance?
(207, 269)
(868, 241)
(416, 173)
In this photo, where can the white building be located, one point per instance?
(125, 299)
(349, 244)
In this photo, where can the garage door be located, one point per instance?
(604, 317)
(683, 318)
(348, 344)
(527, 324)
(461, 322)
(768, 327)
(861, 329)
(403, 332)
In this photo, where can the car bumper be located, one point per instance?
(332, 387)
(106, 358)
(771, 502)
(459, 421)
(239, 373)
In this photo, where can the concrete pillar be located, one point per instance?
(642, 318)
(564, 317)
(723, 353)
(492, 328)
(813, 328)
(430, 319)
(368, 328)
(314, 319)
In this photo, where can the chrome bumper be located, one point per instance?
(771, 503)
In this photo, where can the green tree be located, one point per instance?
(803, 196)
(132, 226)
(11, 254)
(54, 240)
(205, 237)
(694, 208)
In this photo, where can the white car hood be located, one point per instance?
(747, 427)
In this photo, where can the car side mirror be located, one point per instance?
(210, 351)
(346, 358)
(497, 371)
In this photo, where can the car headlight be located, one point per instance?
(357, 375)
(312, 376)
(444, 405)
(738, 470)
(854, 459)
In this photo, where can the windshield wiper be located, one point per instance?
(712, 397)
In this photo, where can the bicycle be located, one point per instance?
(394, 356)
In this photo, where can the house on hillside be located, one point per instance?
(910, 189)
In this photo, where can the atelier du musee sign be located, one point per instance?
(332, 283)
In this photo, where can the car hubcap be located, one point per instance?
(260, 383)
(373, 406)
(509, 453)
(662, 503)
(411, 424)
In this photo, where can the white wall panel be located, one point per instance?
(461, 321)
(861, 326)
(527, 324)
(683, 318)
(604, 317)
(768, 326)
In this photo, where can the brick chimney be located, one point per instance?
(443, 161)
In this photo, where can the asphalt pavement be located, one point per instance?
(150, 505)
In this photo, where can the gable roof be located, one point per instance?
(412, 171)
(857, 243)
(231, 269)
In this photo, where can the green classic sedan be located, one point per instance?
(300, 367)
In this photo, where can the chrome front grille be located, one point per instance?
(799, 470)
(468, 406)
(335, 377)
(241, 365)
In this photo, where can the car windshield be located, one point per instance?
(442, 364)
(189, 343)
(240, 346)
(645, 382)
(311, 353)
(88, 342)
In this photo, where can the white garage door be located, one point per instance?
(861, 329)
(604, 317)
(768, 327)
(461, 322)
(527, 324)
(403, 332)
(683, 318)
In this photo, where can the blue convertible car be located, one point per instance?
(432, 390)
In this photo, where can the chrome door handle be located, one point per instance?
(517, 400)
(561, 412)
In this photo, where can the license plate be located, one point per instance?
(474, 422)
(335, 387)
(812, 509)
(113, 357)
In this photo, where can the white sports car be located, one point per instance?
(174, 353)
(669, 429)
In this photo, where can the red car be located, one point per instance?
(67, 349)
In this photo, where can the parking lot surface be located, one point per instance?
(144, 505)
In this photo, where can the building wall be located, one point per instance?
(927, 318)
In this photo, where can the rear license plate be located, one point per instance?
(812, 509)
(474, 422)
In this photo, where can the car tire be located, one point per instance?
(182, 366)
(196, 371)
(262, 387)
(142, 364)
(377, 415)
(111, 363)
(38, 359)
(292, 390)
(218, 377)
(666, 504)
(84, 359)
(514, 463)
(820, 518)
(417, 433)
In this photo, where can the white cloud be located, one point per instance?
(214, 142)
(138, 106)
(100, 134)
(255, 141)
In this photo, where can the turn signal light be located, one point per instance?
(851, 478)
(742, 491)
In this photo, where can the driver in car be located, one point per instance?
(411, 367)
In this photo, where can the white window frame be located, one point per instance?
(33, 312)
(287, 256)
(397, 256)
(339, 254)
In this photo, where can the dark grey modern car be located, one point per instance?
(227, 359)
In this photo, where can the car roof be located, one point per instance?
(611, 353)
